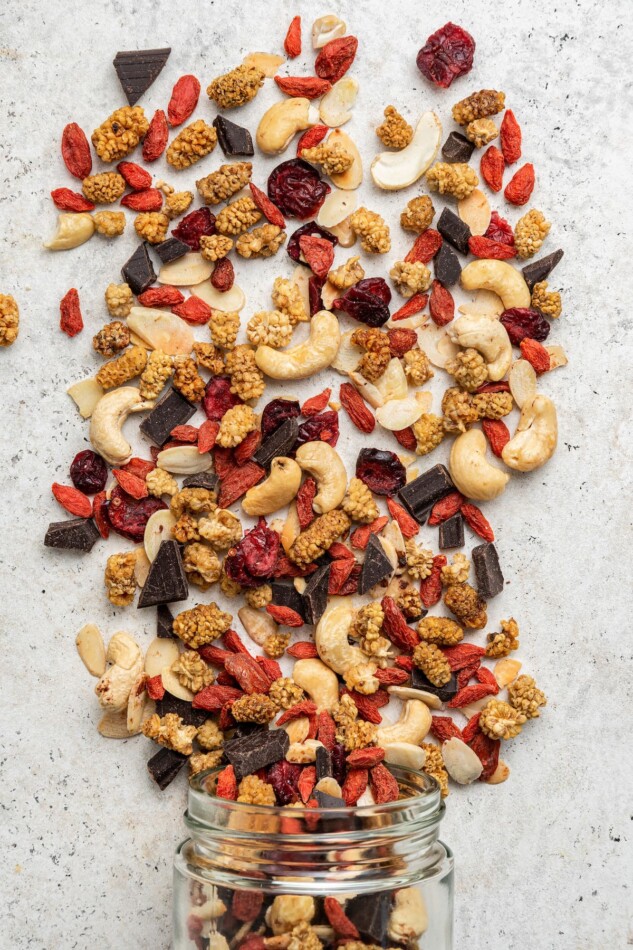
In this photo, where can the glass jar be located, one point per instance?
(258, 877)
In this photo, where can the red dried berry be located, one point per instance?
(74, 501)
(270, 211)
(476, 521)
(365, 758)
(416, 304)
(367, 301)
(76, 151)
(335, 58)
(312, 137)
(384, 786)
(303, 650)
(391, 676)
(247, 447)
(500, 230)
(154, 687)
(70, 319)
(285, 615)
(522, 322)
(292, 42)
(354, 785)
(184, 434)
(339, 921)
(246, 670)
(307, 87)
(165, 296)
(360, 537)
(100, 513)
(491, 167)
(88, 472)
(536, 354)
(284, 777)
(350, 586)
(237, 482)
(320, 428)
(443, 727)
(303, 500)
(67, 200)
(340, 572)
(306, 707)
(226, 785)
(218, 398)
(521, 185)
(184, 99)
(468, 695)
(223, 276)
(196, 224)
(425, 247)
(510, 135)
(396, 628)
(441, 304)
(149, 200)
(471, 728)
(233, 643)
(306, 783)
(129, 516)
(140, 467)
(487, 750)
(312, 229)
(136, 177)
(276, 412)
(381, 470)
(482, 246)
(401, 341)
(406, 438)
(246, 905)
(130, 483)
(484, 675)
(297, 189)
(356, 408)
(406, 523)
(255, 556)
(497, 433)
(462, 655)
(194, 310)
(207, 434)
(447, 54)
(316, 404)
(446, 507)
(326, 730)
(431, 586)
(155, 141)
(503, 386)
(318, 254)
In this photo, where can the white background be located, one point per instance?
(87, 840)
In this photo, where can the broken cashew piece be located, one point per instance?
(72, 230)
(489, 337)
(324, 462)
(534, 441)
(318, 681)
(471, 471)
(107, 420)
(412, 726)
(279, 124)
(277, 490)
(501, 278)
(330, 638)
(306, 358)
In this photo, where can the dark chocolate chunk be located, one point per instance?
(287, 595)
(189, 715)
(371, 916)
(446, 266)
(452, 533)
(279, 443)
(138, 271)
(454, 230)
(164, 623)
(171, 250)
(540, 270)
(328, 801)
(420, 495)
(165, 766)
(233, 139)
(166, 580)
(376, 566)
(137, 69)
(457, 148)
(445, 693)
(315, 594)
(254, 752)
(323, 763)
(247, 729)
(202, 480)
(170, 411)
(487, 570)
(78, 534)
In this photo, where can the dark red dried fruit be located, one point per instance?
(223, 276)
(381, 470)
(318, 254)
(76, 151)
(315, 285)
(254, 557)
(100, 513)
(88, 472)
(312, 229)
(350, 586)
(284, 778)
(193, 226)
(320, 428)
(425, 247)
(194, 310)
(367, 301)
(441, 305)
(128, 516)
(67, 200)
(447, 54)
(155, 141)
(165, 296)
(70, 318)
(335, 58)
(136, 177)
(184, 99)
(247, 447)
(492, 165)
(276, 412)
(270, 211)
(522, 322)
(500, 230)
(312, 137)
(297, 189)
(151, 199)
(218, 398)
(510, 135)
(483, 247)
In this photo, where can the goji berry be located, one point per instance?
(73, 500)
(318, 254)
(155, 141)
(165, 296)
(154, 687)
(441, 304)
(425, 247)
(251, 942)
(360, 537)
(338, 550)
(484, 675)
(482, 246)
(285, 615)
(383, 785)
(391, 676)
(307, 781)
(292, 41)
(184, 99)
(355, 784)
(184, 434)
(356, 408)
(503, 386)
(99, 513)
(404, 662)
(303, 650)
(401, 341)
(326, 729)
(335, 58)
(76, 151)
(303, 500)
(536, 354)
(131, 484)
(500, 230)
(226, 785)
(247, 447)
(316, 404)
(395, 626)
(225, 719)
(233, 643)
(466, 673)
(350, 586)
(443, 727)
(365, 758)
(414, 305)
(462, 655)
(497, 433)
(308, 87)
(139, 467)
(476, 521)
(246, 905)
(446, 507)
(340, 572)
(225, 679)
(207, 434)
(312, 727)
(468, 695)
(270, 667)
(67, 200)
(213, 654)
(312, 137)
(492, 166)
(406, 438)
(510, 135)
(136, 177)
(149, 200)
(193, 310)
(70, 319)
(248, 673)
(270, 211)
(367, 708)
(521, 185)
(471, 728)
(406, 523)
(340, 923)
(431, 586)
(304, 708)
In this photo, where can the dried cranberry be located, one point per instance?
(193, 226)
(447, 54)
(367, 301)
(320, 428)
(284, 778)
(377, 286)
(500, 230)
(128, 516)
(350, 586)
(381, 470)
(276, 412)
(338, 754)
(254, 557)
(522, 322)
(89, 472)
(310, 230)
(218, 398)
(297, 189)
(315, 285)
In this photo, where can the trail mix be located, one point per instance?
(323, 593)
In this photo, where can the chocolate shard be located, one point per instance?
(420, 495)
(287, 595)
(328, 801)
(446, 266)
(165, 766)
(452, 533)
(445, 693)
(164, 623)
(454, 230)
(315, 594)
(256, 751)
(376, 566)
(78, 534)
(170, 411)
(138, 271)
(279, 443)
(540, 270)
(189, 715)
(371, 916)
(233, 139)
(457, 148)
(202, 480)
(171, 250)
(166, 580)
(247, 729)
(323, 763)
(487, 570)
(137, 69)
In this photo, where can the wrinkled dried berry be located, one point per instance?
(297, 189)
(255, 557)
(284, 778)
(367, 301)
(218, 398)
(312, 229)
(129, 516)
(447, 54)
(521, 322)
(320, 428)
(500, 230)
(193, 226)
(88, 472)
(381, 470)
(276, 412)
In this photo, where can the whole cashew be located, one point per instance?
(535, 438)
(488, 336)
(409, 917)
(318, 681)
(406, 754)
(279, 124)
(72, 230)
(324, 462)
(277, 490)
(470, 470)
(307, 358)
(107, 420)
(115, 686)
(499, 277)
(331, 638)
(412, 726)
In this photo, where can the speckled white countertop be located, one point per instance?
(87, 840)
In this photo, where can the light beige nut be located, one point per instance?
(297, 729)
(505, 671)
(72, 230)
(161, 330)
(277, 490)
(136, 705)
(258, 624)
(113, 725)
(522, 380)
(395, 170)
(184, 460)
(173, 685)
(160, 653)
(484, 302)
(489, 337)
(398, 414)
(307, 358)
(336, 207)
(142, 565)
(229, 301)
(534, 441)
(291, 528)
(107, 420)
(406, 754)
(437, 344)
(475, 211)
(267, 63)
(409, 918)
(344, 231)
(410, 692)
(186, 271)
(303, 752)
(329, 786)
(412, 726)
(326, 28)
(125, 663)
(462, 764)
(334, 109)
(325, 464)
(86, 394)
(91, 649)
(287, 911)
(330, 638)
(352, 178)
(474, 476)
(279, 124)
(318, 681)
(501, 278)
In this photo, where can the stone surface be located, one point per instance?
(87, 838)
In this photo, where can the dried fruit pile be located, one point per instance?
(337, 597)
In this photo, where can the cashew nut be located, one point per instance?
(412, 726)
(395, 170)
(114, 687)
(318, 681)
(535, 438)
(488, 336)
(277, 490)
(470, 470)
(409, 918)
(72, 230)
(324, 462)
(405, 754)
(279, 124)
(307, 358)
(107, 420)
(499, 277)
(331, 638)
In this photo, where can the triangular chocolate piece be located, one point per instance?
(376, 565)
(166, 580)
(138, 271)
(164, 623)
(233, 139)
(171, 250)
(315, 594)
(137, 69)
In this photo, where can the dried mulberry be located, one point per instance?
(457, 179)
(187, 379)
(151, 226)
(125, 367)
(502, 644)
(224, 183)
(111, 339)
(372, 230)
(201, 564)
(319, 537)
(347, 274)
(500, 720)
(247, 380)
(109, 223)
(238, 217)
(287, 297)
(481, 132)
(469, 608)
(469, 369)
(410, 278)
(202, 624)
(213, 247)
(417, 366)
(120, 134)
(419, 560)
(395, 131)
(377, 354)
(119, 578)
(236, 423)
(236, 87)
(529, 233)
(459, 410)
(526, 697)
(159, 368)
(119, 300)
(193, 143)
(548, 302)
(9, 320)
(478, 105)
(492, 405)
(418, 214)
(271, 327)
(257, 707)
(104, 188)
(429, 433)
(261, 242)
(333, 159)
(430, 659)
(440, 630)
(359, 502)
(224, 326)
